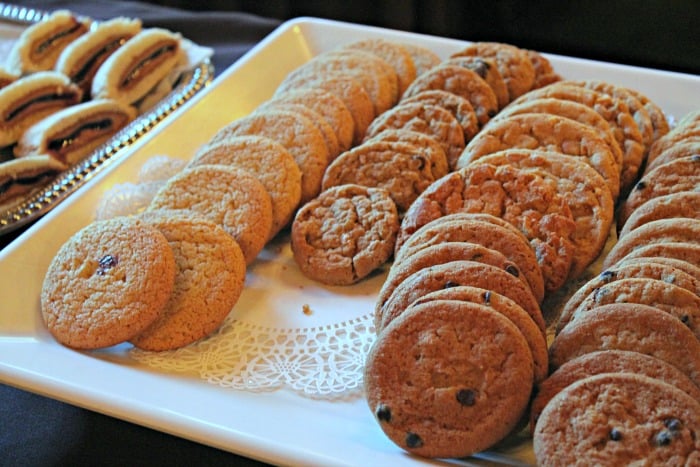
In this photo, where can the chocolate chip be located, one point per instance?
(685, 319)
(383, 413)
(664, 438)
(512, 270)
(615, 434)
(106, 263)
(466, 397)
(599, 293)
(672, 424)
(487, 297)
(450, 284)
(607, 275)
(640, 185)
(413, 440)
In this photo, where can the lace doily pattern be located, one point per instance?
(252, 353)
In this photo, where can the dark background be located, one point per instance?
(653, 33)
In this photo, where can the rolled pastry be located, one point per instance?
(31, 98)
(18, 176)
(138, 66)
(71, 134)
(81, 59)
(7, 77)
(39, 46)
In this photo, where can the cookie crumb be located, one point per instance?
(306, 309)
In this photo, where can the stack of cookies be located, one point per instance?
(638, 322)
(552, 164)
(69, 84)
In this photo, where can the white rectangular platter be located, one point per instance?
(279, 427)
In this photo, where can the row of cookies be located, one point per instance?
(588, 186)
(159, 280)
(248, 180)
(417, 140)
(69, 84)
(614, 342)
(638, 316)
(671, 169)
(461, 281)
(460, 337)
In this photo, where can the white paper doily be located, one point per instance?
(285, 331)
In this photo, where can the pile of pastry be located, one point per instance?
(68, 84)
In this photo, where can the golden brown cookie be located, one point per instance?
(327, 132)
(347, 89)
(463, 82)
(488, 70)
(608, 361)
(513, 62)
(635, 106)
(439, 254)
(460, 107)
(226, 195)
(615, 112)
(683, 251)
(673, 177)
(107, 283)
(508, 308)
(544, 71)
(423, 387)
(344, 234)
(684, 204)
(438, 157)
(456, 273)
(293, 131)
(402, 169)
(687, 129)
(659, 120)
(395, 54)
(209, 280)
(550, 133)
(483, 229)
(584, 190)
(423, 58)
(647, 268)
(679, 302)
(629, 326)
(674, 230)
(685, 148)
(374, 74)
(269, 162)
(430, 119)
(568, 109)
(619, 419)
(522, 198)
(328, 105)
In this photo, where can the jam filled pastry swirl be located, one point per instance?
(28, 100)
(39, 46)
(138, 66)
(83, 57)
(74, 132)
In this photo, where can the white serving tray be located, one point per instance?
(279, 427)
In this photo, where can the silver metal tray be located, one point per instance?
(47, 195)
